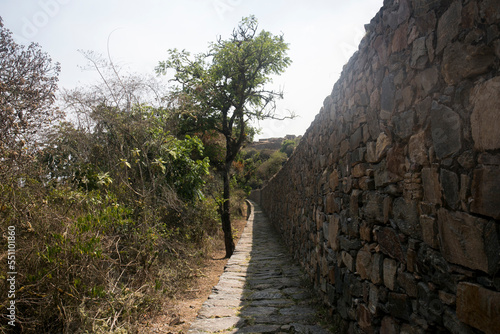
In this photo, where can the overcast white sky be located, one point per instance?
(322, 34)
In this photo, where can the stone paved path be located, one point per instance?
(261, 289)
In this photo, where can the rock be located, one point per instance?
(373, 208)
(407, 218)
(485, 117)
(446, 130)
(382, 146)
(371, 155)
(448, 25)
(486, 191)
(403, 124)
(390, 268)
(365, 319)
(461, 61)
(390, 244)
(376, 269)
(417, 149)
(429, 231)
(478, 307)
(400, 38)
(387, 97)
(449, 184)
(363, 263)
(432, 189)
(408, 283)
(469, 241)
(419, 56)
(389, 326)
(427, 80)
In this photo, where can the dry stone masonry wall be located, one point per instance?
(391, 201)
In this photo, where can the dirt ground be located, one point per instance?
(178, 313)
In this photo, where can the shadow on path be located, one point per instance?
(262, 289)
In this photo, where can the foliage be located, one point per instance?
(254, 167)
(224, 90)
(28, 81)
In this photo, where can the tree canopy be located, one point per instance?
(225, 90)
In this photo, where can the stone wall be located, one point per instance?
(391, 201)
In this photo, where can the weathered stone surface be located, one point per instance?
(446, 130)
(407, 217)
(469, 241)
(427, 80)
(365, 319)
(417, 149)
(429, 231)
(449, 184)
(404, 123)
(390, 244)
(419, 56)
(387, 97)
(333, 231)
(462, 61)
(448, 25)
(389, 272)
(485, 118)
(363, 263)
(486, 191)
(478, 307)
(432, 189)
(389, 326)
(382, 146)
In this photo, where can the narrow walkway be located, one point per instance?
(261, 290)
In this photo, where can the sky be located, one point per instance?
(322, 36)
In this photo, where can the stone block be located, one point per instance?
(478, 307)
(427, 81)
(390, 268)
(407, 218)
(365, 319)
(419, 56)
(408, 283)
(382, 146)
(446, 128)
(376, 270)
(333, 231)
(469, 241)
(403, 124)
(432, 189)
(429, 231)
(363, 263)
(333, 180)
(449, 184)
(389, 243)
(348, 261)
(371, 155)
(373, 207)
(418, 150)
(485, 118)
(389, 326)
(359, 170)
(448, 25)
(387, 97)
(461, 61)
(486, 191)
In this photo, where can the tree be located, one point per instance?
(224, 90)
(28, 81)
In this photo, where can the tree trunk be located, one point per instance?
(226, 216)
